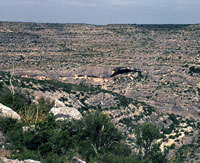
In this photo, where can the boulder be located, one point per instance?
(8, 112)
(62, 113)
(58, 103)
(77, 160)
(5, 160)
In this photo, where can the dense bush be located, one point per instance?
(94, 138)
(97, 133)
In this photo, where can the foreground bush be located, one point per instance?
(94, 138)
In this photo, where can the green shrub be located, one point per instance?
(172, 137)
(172, 146)
(194, 69)
(97, 134)
(166, 130)
(174, 119)
(149, 151)
(127, 121)
(17, 101)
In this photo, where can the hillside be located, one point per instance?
(132, 73)
(167, 57)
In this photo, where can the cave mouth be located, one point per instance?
(120, 70)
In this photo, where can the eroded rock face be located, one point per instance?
(5, 160)
(93, 71)
(62, 113)
(8, 112)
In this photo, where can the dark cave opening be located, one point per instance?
(120, 71)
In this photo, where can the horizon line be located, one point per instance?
(34, 22)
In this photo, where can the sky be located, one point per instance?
(101, 12)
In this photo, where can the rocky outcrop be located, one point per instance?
(93, 71)
(8, 112)
(5, 160)
(61, 112)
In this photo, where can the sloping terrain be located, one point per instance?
(180, 134)
(133, 73)
(167, 57)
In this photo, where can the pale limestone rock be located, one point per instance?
(198, 85)
(8, 112)
(62, 113)
(77, 160)
(58, 103)
(5, 160)
(31, 161)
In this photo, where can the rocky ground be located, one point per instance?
(167, 58)
(134, 73)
